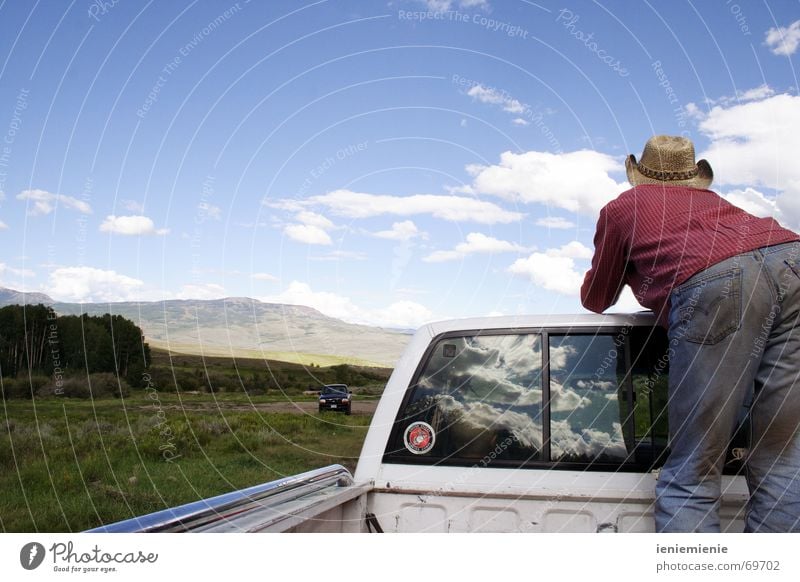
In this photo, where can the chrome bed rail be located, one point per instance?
(257, 508)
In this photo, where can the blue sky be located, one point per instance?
(385, 162)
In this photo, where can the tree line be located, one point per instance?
(35, 340)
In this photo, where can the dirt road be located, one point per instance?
(359, 407)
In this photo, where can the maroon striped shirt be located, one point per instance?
(655, 237)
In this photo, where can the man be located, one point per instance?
(726, 285)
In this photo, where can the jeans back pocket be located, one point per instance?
(707, 308)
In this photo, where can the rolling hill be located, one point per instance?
(243, 327)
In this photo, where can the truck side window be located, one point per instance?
(481, 396)
(587, 398)
(650, 374)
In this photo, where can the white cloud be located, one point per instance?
(551, 273)
(555, 222)
(6, 270)
(576, 181)
(400, 314)
(201, 291)
(87, 284)
(756, 94)
(520, 121)
(211, 211)
(314, 219)
(573, 250)
(330, 304)
(308, 234)
(755, 144)
(44, 202)
(476, 242)
(753, 201)
(480, 243)
(626, 303)
(452, 208)
(8, 278)
(443, 256)
(554, 269)
(263, 277)
(445, 5)
(784, 40)
(405, 230)
(494, 97)
(284, 204)
(3, 225)
(312, 230)
(133, 206)
(341, 255)
(133, 225)
(693, 111)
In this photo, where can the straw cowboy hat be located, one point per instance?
(669, 161)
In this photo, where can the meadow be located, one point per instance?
(73, 463)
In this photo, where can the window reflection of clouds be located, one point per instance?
(592, 429)
(559, 356)
(588, 444)
(596, 385)
(566, 400)
(566, 443)
(484, 417)
(503, 369)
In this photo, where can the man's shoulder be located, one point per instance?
(621, 202)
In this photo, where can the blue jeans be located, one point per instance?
(734, 340)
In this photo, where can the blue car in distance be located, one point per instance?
(335, 397)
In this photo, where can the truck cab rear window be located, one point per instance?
(593, 399)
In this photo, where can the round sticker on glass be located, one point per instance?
(419, 438)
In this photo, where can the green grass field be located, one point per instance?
(70, 464)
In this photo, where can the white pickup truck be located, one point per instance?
(502, 424)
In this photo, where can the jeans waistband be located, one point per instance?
(776, 248)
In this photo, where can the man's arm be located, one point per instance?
(605, 279)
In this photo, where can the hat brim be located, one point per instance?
(703, 179)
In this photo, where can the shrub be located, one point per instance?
(161, 379)
(75, 387)
(187, 381)
(13, 389)
(218, 382)
(23, 387)
(105, 384)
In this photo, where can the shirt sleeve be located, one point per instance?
(605, 279)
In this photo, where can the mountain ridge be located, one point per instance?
(236, 325)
